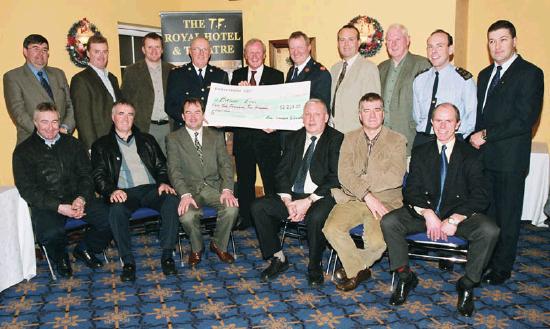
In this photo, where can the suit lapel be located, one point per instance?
(298, 154)
(32, 80)
(145, 72)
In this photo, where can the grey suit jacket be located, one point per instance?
(137, 87)
(93, 105)
(185, 170)
(23, 91)
(400, 106)
(361, 78)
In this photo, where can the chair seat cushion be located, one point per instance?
(422, 237)
(142, 213)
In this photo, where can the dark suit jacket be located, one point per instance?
(137, 87)
(324, 164)
(466, 188)
(319, 77)
(183, 83)
(185, 170)
(93, 105)
(510, 112)
(243, 138)
(23, 91)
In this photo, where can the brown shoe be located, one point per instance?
(340, 275)
(352, 283)
(222, 255)
(195, 258)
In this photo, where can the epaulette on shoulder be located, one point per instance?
(463, 73)
(419, 73)
(176, 67)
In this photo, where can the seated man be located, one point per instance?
(304, 177)
(371, 169)
(130, 172)
(446, 193)
(202, 173)
(53, 174)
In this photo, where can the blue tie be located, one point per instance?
(201, 79)
(495, 80)
(294, 74)
(45, 84)
(442, 174)
(300, 181)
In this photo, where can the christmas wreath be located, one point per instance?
(371, 34)
(77, 39)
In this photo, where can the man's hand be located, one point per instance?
(67, 210)
(244, 83)
(185, 202)
(375, 206)
(447, 228)
(477, 139)
(118, 196)
(166, 189)
(433, 225)
(301, 207)
(228, 199)
(78, 206)
(269, 131)
(63, 130)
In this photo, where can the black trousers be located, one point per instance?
(267, 160)
(49, 229)
(268, 214)
(144, 196)
(480, 231)
(507, 190)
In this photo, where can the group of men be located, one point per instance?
(470, 154)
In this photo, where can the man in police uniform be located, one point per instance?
(442, 83)
(192, 80)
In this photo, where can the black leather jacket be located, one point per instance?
(107, 159)
(49, 176)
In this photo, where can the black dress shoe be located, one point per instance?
(87, 257)
(494, 277)
(340, 276)
(63, 267)
(315, 278)
(402, 289)
(275, 268)
(446, 265)
(168, 266)
(465, 305)
(128, 273)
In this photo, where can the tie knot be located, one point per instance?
(436, 73)
(253, 72)
(196, 134)
(499, 68)
(443, 148)
(313, 139)
(40, 73)
(345, 64)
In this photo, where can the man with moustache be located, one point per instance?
(144, 85)
(396, 77)
(352, 77)
(93, 92)
(192, 80)
(253, 147)
(510, 97)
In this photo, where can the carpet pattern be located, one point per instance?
(216, 295)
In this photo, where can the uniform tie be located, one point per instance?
(428, 129)
(201, 79)
(294, 74)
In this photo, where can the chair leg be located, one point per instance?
(233, 245)
(180, 248)
(283, 235)
(334, 266)
(105, 256)
(329, 261)
(49, 263)
(392, 281)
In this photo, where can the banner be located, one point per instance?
(223, 30)
(262, 107)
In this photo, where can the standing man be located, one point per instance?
(93, 92)
(130, 172)
(306, 173)
(33, 83)
(443, 83)
(446, 194)
(371, 169)
(192, 80)
(255, 146)
(144, 85)
(396, 76)
(352, 77)
(509, 105)
(53, 174)
(202, 173)
(305, 68)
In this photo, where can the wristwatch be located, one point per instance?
(453, 221)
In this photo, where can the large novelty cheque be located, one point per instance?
(262, 107)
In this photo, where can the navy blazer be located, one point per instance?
(324, 164)
(510, 113)
(184, 83)
(319, 77)
(466, 188)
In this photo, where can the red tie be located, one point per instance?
(252, 80)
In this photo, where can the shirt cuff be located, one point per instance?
(285, 195)
(419, 210)
(228, 190)
(314, 197)
(186, 194)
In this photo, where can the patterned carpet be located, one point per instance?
(218, 296)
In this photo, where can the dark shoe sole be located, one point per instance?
(266, 278)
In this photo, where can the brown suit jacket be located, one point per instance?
(93, 105)
(137, 87)
(381, 173)
(23, 91)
